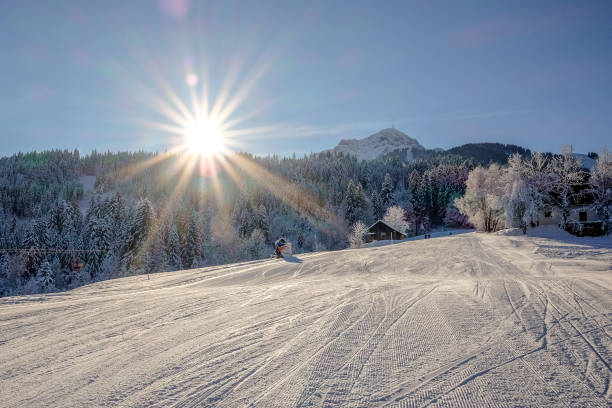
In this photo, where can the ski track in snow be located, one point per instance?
(465, 320)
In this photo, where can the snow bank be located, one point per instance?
(434, 234)
(510, 232)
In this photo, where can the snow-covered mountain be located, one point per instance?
(373, 146)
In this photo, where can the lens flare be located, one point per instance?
(191, 80)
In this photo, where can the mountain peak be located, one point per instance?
(382, 142)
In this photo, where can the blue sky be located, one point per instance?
(90, 75)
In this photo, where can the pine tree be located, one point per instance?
(356, 205)
(174, 249)
(45, 276)
(378, 208)
(138, 239)
(193, 242)
(386, 192)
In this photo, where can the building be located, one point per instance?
(380, 231)
(581, 220)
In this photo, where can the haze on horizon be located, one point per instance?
(304, 76)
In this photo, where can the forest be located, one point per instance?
(151, 212)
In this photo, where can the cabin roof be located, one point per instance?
(390, 226)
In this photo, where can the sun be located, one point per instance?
(204, 137)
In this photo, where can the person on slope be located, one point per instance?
(279, 245)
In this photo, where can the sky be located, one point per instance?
(295, 76)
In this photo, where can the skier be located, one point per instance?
(279, 245)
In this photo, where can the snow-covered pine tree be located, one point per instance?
(174, 250)
(193, 242)
(260, 219)
(386, 192)
(255, 246)
(378, 209)
(34, 241)
(139, 233)
(4, 274)
(45, 276)
(356, 205)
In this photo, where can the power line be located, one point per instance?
(51, 250)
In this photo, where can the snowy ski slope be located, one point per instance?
(466, 320)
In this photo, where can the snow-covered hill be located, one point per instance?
(463, 320)
(373, 146)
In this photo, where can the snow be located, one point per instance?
(464, 320)
(434, 234)
(373, 146)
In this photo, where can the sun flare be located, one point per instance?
(204, 137)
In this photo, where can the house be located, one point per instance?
(380, 231)
(581, 220)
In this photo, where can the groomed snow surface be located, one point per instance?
(464, 320)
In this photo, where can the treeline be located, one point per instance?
(162, 212)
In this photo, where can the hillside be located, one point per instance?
(140, 212)
(497, 321)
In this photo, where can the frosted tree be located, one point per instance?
(357, 234)
(601, 187)
(483, 198)
(537, 173)
(519, 196)
(568, 180)
(396, 217)
(516, 203)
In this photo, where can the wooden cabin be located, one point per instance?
(380, 231)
